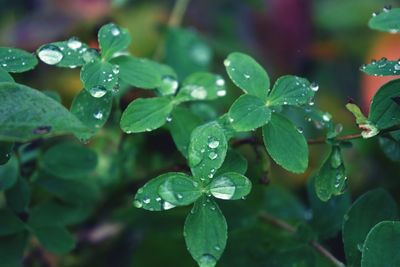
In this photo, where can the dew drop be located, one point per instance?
(221, 93)
(90, 55)
(227, 62)
(167, 206)
(213, 143)
(300, 129)
(115, 31)
(169, 85)
(137, 204)
(223, 188)
(387, 8)
(146, 200)
(220, 82)
(98, 91)
(314, 86)
(212, 155)
(74, 43)
(98, 115)
(247, 76)
(198, 92)
(50, 54)
(168, 119)
(327, 117)
(207, 260)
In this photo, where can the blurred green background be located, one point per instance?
(323, 40)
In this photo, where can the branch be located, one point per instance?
(268, 219)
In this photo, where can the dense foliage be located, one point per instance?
(51, 181)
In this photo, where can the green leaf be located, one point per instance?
(9, 174)
(81, 192)
(384, 111)
(386, 21)
(357, 113)
(382, 67)
(55, 239)
(4, 76)
(113, 38)
(27, 114)
(247, 74)
(19, 196)
(179, 189)
(205, 232)
(248, 113)
(69, 160)
(234, 162)
(291, 90)
(182, 123)
(186, 52)
(381, 246)
(207, 150)
(146, 114)
(368, 210)
(331, 178)
(91, 111)
(144, 73)
(44, 213)
(99, 77)
(5, 152)
(230, 186)
(12, 249)
(10, 223)
(202, 86)
(390, 144)
(147, 197)
(16, 60)
(67, 54)
(327, 217)
(285, 144)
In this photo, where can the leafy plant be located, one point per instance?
(38, 155)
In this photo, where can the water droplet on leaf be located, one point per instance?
(50, 54)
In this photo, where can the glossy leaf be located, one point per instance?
(382, 245)
(182, 123)
(248, 113)
(384, 111)
(69, 160)
(186, 52)
(387, 21)
(331, 178)
(146, 114)
(27, 114)
(285, 144)
(112, 39)
(390, 145)
(4, 76)
(12, 249)
(291, 90)
(382, 67)
(143, 73)
(180, 189)
(247, 74)
(202, 86)
(205, 232)
(19, 196)
(68, 54)
(327, 217)
(82, 192)
(55, 239)
(234, 162)
(5, 152)
(207, 150)
(91, 111)
(9, 173)
(16, 60)
(230, 186)
(368, 210)
(147, 197)
(10, 223)
(44, 213)
(98, 77)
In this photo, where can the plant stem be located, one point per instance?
(175, 19)
(266, 218)
(177, 13)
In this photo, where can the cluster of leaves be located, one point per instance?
(216, 171)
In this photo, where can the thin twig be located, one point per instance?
(175, 20)
(266, 218)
